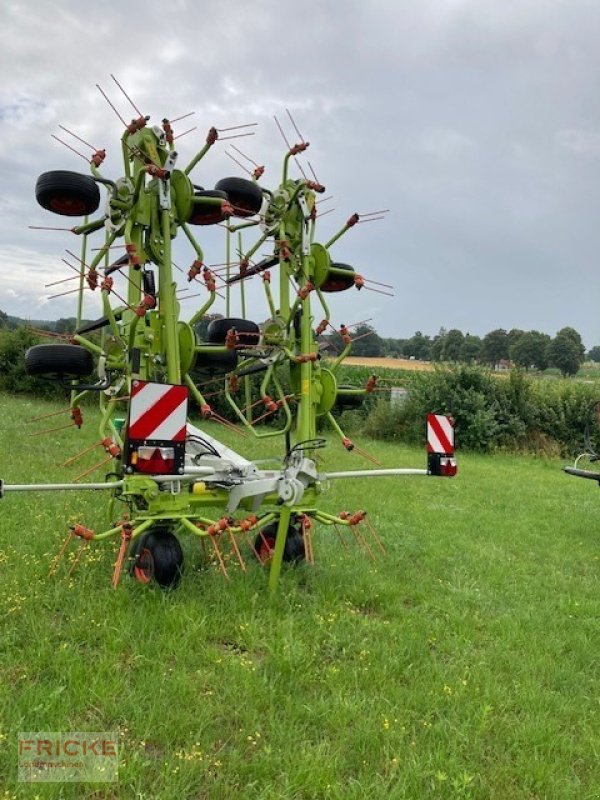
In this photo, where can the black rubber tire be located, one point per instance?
(157, 557)
(216, 362)
(245, 196)
(248, 331)
(293, 551)
(207, 215)
(59, 361)
(69, 194)
(339, 283)
(348, 400)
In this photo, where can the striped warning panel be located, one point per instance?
(440, 434)
(158, 411)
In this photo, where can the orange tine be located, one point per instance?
(76, 559)
(219, 556)
(92, 469)
(119, 562)
(236, 549)
(340, 536)
(57, 559)
(375, 535)
(361, 541)
(83, 452)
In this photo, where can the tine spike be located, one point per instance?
(48, 228)
(135, 108)
(62, 294)
(372, 213)
(183, 116)
(219, 556)
(362, 541)
(237, 127)
(267, 548)
(78, 456)
(64, 280)
(340, 536)
(236, 549)
(92, 469)
(58, 558)
(189, 130)
(244, 155)
(289, 147)
(287, 111)
(51, 414)
(314, 174)
(378, 283)
(299, 165)
(74, 135)
(110, 104)
(76, 559)
(236, 136)
(375, 535)
(241, 166)
(71, 148)
(372, 219)
(362, 322)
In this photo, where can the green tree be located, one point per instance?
(566, 351)
(453, 343)
(65, 325)
(437, 345)
(531, 350)
(594, 354)
(494, 346)
(471, 349)
(366, 341)
(3, 320)
(418, 346)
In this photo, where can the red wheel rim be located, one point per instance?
(266, 548)
(67, 205)
(143, 570)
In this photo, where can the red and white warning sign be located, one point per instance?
(440, 434)
(156, 433)
(158, 411)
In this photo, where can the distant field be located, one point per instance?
(388, 363)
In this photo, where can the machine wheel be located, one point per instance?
(217, 362)
(67, 193)
(157, 556)
(348, 400)
(293, 552)
(248, 331)
(245, 196)
(207, 215)
(339, 283)
(59, 361)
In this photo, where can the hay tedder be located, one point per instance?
(150, 368)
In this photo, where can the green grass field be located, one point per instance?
(463, 665)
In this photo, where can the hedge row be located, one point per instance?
(513, 412)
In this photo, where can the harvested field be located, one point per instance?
(388, 363)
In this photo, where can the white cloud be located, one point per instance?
(445, 143)
(582, 142)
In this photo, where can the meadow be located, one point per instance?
(463, 664)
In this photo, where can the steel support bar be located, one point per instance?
(370, 473)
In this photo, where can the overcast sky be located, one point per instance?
(476, 122)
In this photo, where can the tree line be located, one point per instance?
(527, 349)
